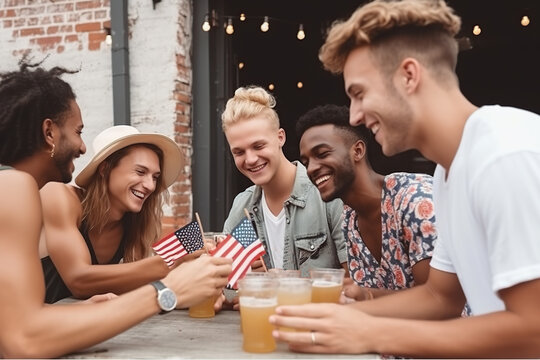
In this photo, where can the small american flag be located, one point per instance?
(243, 246)
(183, 241)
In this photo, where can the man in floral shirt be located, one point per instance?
(389, 222)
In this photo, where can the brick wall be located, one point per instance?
(72, 34)
(53, 26)
(182, 199)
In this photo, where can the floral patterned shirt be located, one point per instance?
(408, 233)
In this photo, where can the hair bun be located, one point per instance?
(256, 94)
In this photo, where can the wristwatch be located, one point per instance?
(166, 297)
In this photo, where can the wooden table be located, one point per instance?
(177, 336)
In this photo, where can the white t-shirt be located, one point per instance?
(275, 230)
(488, 210)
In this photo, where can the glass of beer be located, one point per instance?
(258, 300)
(204, 309)
(327, 284)
(293, 291)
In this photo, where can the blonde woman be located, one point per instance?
(113, 217)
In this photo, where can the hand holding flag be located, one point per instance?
(243, 246)
(183, 241)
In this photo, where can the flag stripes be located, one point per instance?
(243, 246)
(183, 241)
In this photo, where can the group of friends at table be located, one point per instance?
(417, 249)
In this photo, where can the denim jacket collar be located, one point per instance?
(299, 193)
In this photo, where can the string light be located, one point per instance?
(301, 35)
(265, 26)
(206, 24)
(211, 21)
(108, 37)
(230, 28)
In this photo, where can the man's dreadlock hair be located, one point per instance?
(27, 98)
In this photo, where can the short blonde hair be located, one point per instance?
(247, 103)
(426, 26)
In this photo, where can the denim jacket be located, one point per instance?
(313, 236)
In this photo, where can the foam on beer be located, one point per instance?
(324, 283)
(251, 301)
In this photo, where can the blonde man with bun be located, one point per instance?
(99, 234)
(398, 60)
(298, 229)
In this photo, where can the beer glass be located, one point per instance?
(258, 300)
(327, 284)
(293, 291)
(204, 309)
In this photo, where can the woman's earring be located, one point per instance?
(52, 151)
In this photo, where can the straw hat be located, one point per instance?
(117, 137)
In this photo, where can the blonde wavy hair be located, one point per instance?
(247, 103)
(424, 29)
(141, 229)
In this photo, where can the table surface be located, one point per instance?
(177, 336)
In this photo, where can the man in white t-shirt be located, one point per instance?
(398, 60)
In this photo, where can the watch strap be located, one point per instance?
(159, 286)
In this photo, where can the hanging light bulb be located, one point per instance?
(242, 17)
(299, 84)
(525, 20)
(229, 29)
(265, 26)
(206, 24)
(476, 30)
(301, 35)
(108, 36)
(271, 87)
(241, 65)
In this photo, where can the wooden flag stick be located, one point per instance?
(260, 258)
(201, 228)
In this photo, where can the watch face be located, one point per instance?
(167, 300)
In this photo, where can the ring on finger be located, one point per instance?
(313, 338)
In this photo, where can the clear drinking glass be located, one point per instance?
(294, 291)
(258, 300)
(204, 309)
(327, 285)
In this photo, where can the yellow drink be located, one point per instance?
(293, 291)
(325, 292)
(257, 330)
(204, 309)
(294, 298)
